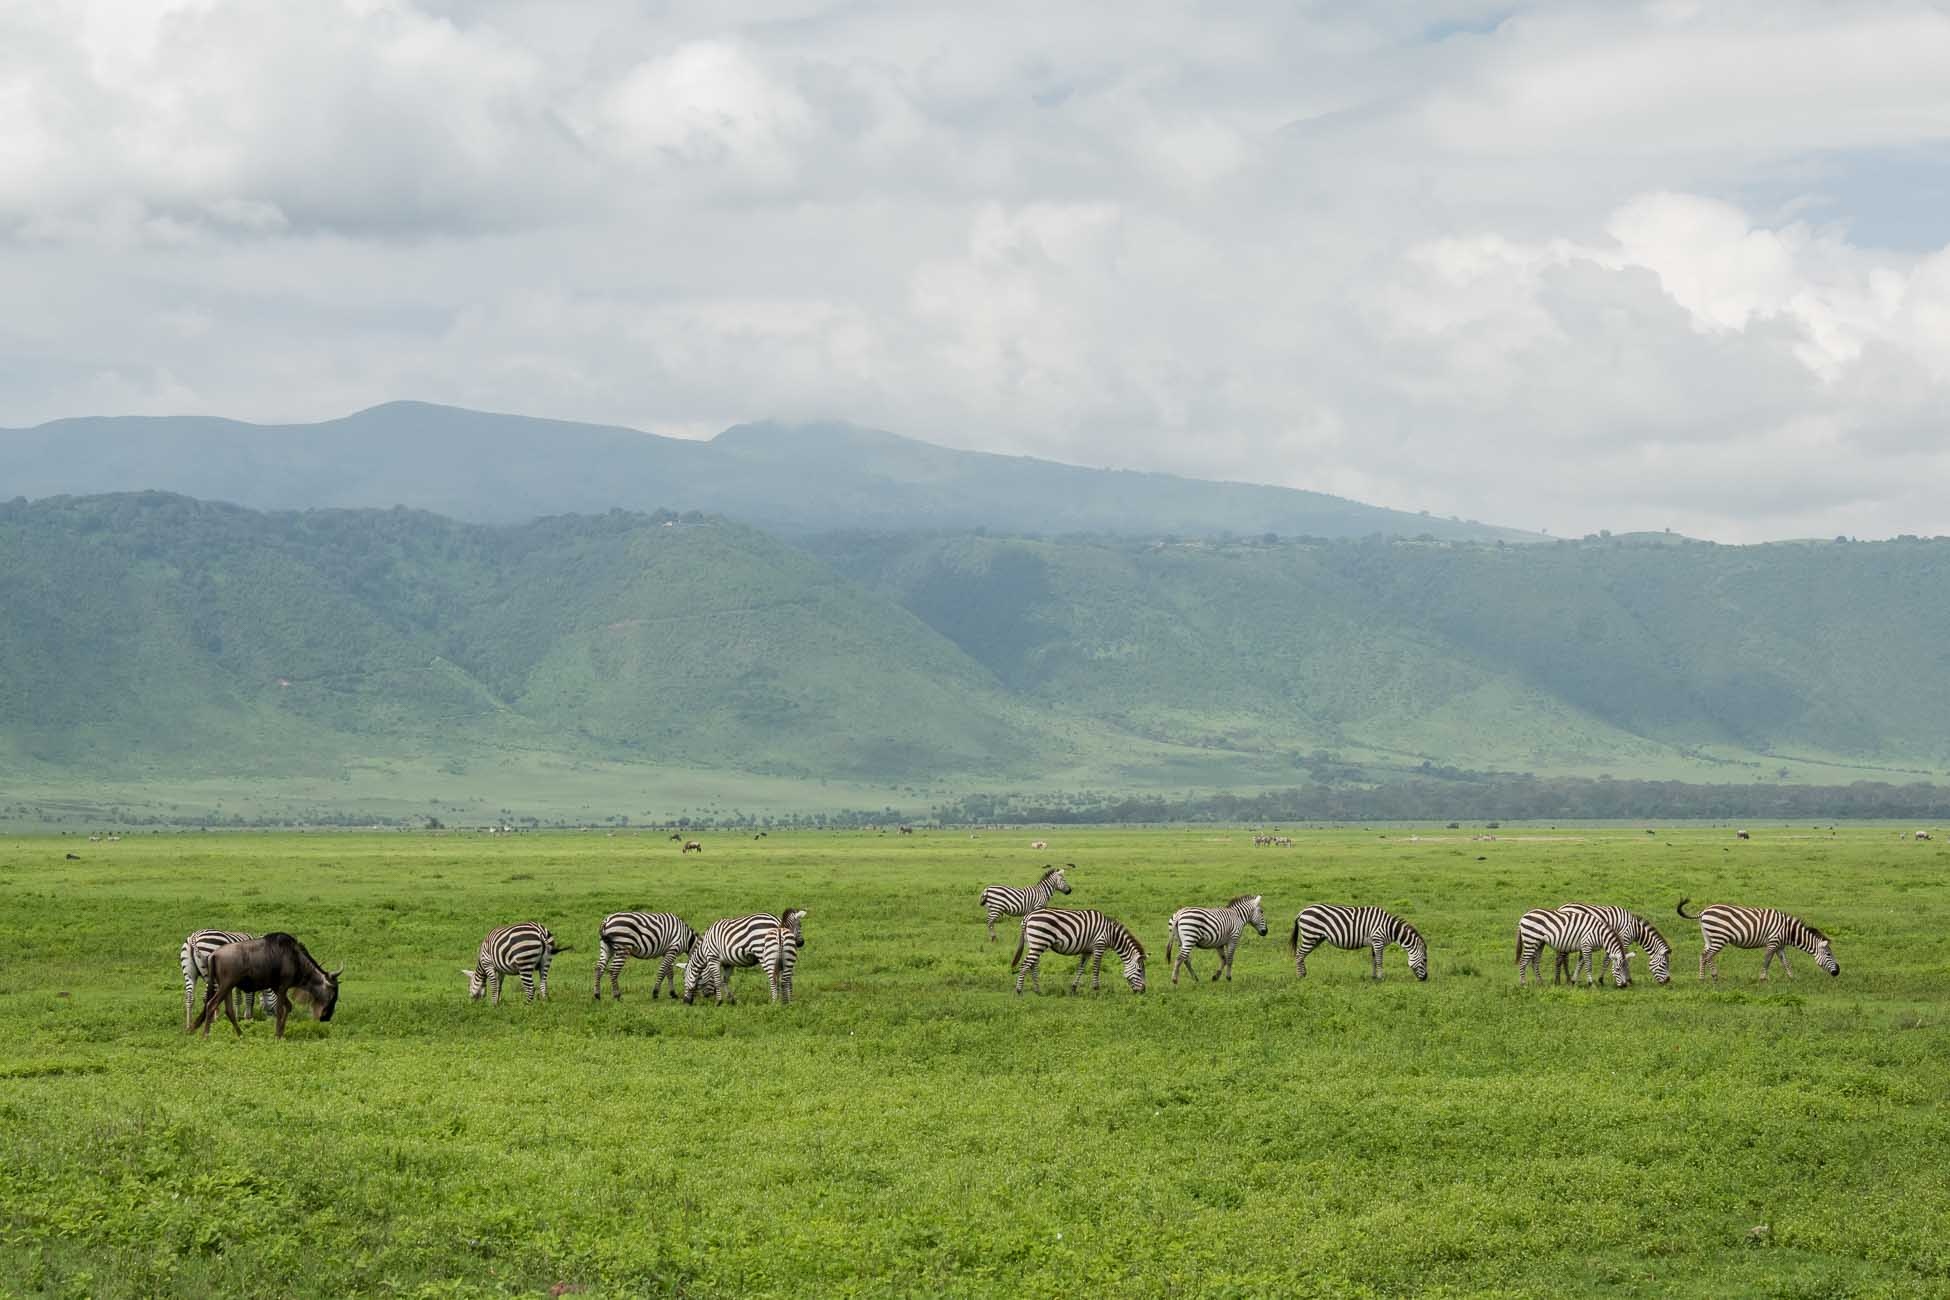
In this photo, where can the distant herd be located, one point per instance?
(267, 970)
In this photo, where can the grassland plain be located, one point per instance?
(910, 1127)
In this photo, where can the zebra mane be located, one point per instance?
(1407, 935)
(1130, 934)
(1811, 931)
(1243, 898)
(1047, 873)
(1649, 931)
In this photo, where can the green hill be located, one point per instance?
(377, 655)
(787, 479)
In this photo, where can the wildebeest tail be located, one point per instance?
(1682, 909)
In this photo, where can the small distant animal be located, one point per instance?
(691, 846)
(907, 830)
(277, 963)
(74, 857)
(1005, 900)
(676, 838)
(1741, 835)
(1038, 844)
(1922, 835)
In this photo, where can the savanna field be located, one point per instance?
(908, 1126)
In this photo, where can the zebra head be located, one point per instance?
(1058, 880)
(1412, 943)
(1659, 962)
(1248, 906)
(1824, 955)
(1621, 958)
(476, 983)
(1131, 953)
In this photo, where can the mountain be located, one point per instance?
(152, 638)
(787, 479)
(1578, 655)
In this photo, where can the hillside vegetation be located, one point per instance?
(151, 637)
(789, 479)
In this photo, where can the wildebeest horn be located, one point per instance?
(340, 971)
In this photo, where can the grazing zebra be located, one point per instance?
(768, 942)
(1003, 900)
(1082, 933)
(1569, 931)
(1356, 927)
(1632, 928)
(1758, 927)
(195, 960)
(1212, 927)
(641, 934)
(525, 949)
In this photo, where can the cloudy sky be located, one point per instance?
(1559, 266)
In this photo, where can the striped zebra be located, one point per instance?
(641, 934)
(525, 949)
(1083, 933)
(1353, 928)
(1579, 932)
(1758, 927)
(195, 961)
(1632, 928)
(768, 942)
(1212, 927)
(1004, 900)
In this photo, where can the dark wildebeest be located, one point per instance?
(276, 963)
(691, 846)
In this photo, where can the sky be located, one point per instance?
(1558, 267)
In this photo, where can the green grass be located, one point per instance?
(910, 1127)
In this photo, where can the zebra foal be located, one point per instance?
(195, 960)
(1353, 928)
(1083, 933)
(1722, 924)
(1212, 927)
(1568, 931)
(525, 949)
(647, 935)
(1006, 900)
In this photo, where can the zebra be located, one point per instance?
(1758, 927)
(1632, 928)
(769, 942)
(1004, 900)
(1569, 931)
(641, 934)
(1356, 927)
(1083, 933)
(195, 961)
(525, 949)
(1212, 927)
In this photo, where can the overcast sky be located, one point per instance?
(1672, 265)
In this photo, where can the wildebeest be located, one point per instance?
(1741, 835)
(1922, 835)
(691, 846)
(1038, 844)
(276, 963)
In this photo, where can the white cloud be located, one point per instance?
(1505, 266)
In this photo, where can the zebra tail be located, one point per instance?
(1021, 941)
(1682, 909)
(1293, 940)
(1171, 939)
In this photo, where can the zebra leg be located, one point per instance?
(1300, 956)
(992, 916)
(665, 969)
(1097, 971)
(1082, 962)
(497, 988)
(725, 995)
(1225, 964)
(1786, 969)
(1561, 970)
(1377, 949)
